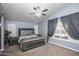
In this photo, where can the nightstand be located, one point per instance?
(14, 41)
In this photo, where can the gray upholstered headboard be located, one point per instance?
(25, 31)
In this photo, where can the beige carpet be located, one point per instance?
(46, 50)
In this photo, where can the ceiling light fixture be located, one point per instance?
(38, 14)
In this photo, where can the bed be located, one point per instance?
(28, 40)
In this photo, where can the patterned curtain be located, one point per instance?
(52, 26)
(71, 24)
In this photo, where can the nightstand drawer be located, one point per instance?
(14, 41)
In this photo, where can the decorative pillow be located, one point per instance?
(38, 34)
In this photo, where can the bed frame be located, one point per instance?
(31, 44)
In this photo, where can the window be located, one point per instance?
(12, 29)
(60, 32)
(36, 29)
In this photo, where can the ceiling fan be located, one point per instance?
(38, 12)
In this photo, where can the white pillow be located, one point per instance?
(24, 37)
(33, 36)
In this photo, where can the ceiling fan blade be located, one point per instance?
(43, 14)
(34, 8)
(38, 7)
(31, 13)
(44, 10)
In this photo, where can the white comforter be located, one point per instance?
(29, 38)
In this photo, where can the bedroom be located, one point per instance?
(21, 20)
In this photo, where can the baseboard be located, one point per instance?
(64, 46)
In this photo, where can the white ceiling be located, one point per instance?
(19, 11)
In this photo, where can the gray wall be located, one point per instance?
(43, 29)
(73, 8)
(19, 24)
